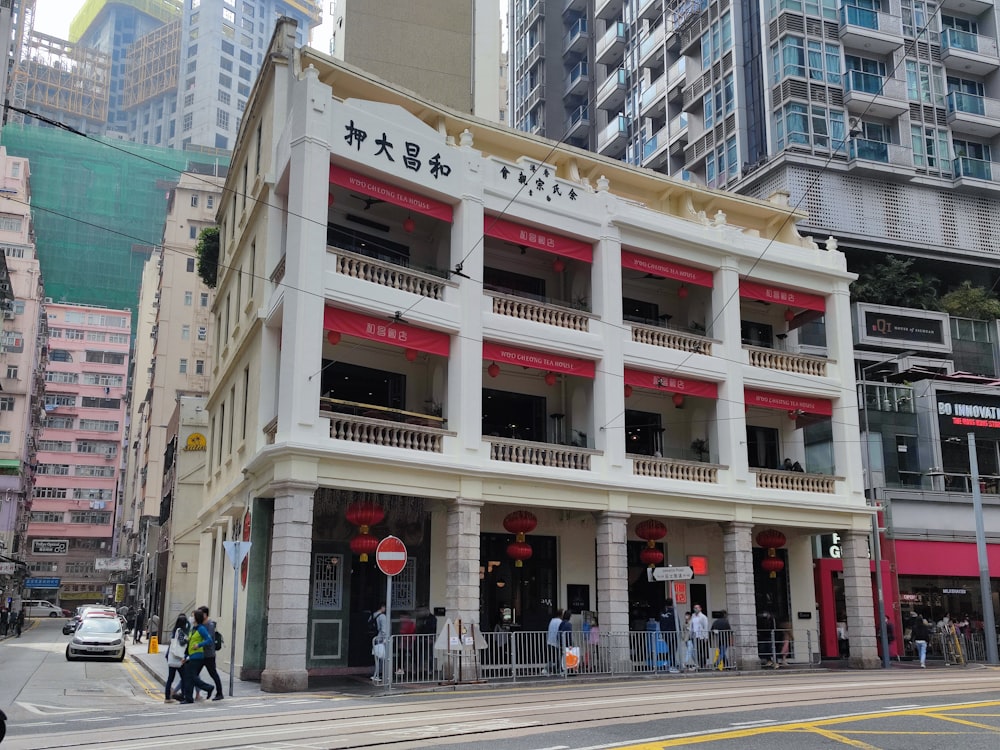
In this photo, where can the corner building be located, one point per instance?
(455, 321)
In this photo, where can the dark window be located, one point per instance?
(639, 311)
(371, 245)
(756, 334)
(513, 283)
(762, 447)
(643, 433)
(190, 265)
(363, 385)
(514, 415)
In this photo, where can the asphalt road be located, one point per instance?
(111, 706)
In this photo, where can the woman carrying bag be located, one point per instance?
(175, 654)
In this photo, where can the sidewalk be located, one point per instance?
(156, 666)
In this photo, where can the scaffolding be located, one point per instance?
(18, 83)
(164, 11)
(152, 64)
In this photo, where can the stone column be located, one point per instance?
(612, 584)
(861, 627)
(288, 588)
(462, 598)
(737, 552)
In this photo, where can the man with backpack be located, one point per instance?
(214, 644)
(668, 630)
(378, 628)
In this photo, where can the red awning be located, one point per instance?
(539, 239)
(777, 295)
(670, 383)
(386, 331)
(785, 402)
(667, 269)
(538, 360)
(916, 558)
(383, 190)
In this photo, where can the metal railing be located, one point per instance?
(515, 656)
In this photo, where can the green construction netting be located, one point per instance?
(98, 207)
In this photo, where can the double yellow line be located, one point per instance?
(152, 688)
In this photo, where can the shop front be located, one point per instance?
(942, 578)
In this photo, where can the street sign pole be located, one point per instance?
(390, 556)
(237, 552)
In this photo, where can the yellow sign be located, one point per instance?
(119, 592)
(195, 442)
(93, 596)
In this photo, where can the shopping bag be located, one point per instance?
(572, 657)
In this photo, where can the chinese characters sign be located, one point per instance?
(385, 331)
(540, 240)
(538, 181)
(785, 402)
(766, 293)
(383, 191)
(666, 269)
(538, 360)
(670, 383)
(381, 147)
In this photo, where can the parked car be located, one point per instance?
(69, 627)
(3, 725)
(100, 637)
(42, 608)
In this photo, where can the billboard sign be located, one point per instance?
(111, 563)
(49, 546)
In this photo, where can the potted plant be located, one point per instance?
(700, 447)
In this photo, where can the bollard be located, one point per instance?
(154, 645)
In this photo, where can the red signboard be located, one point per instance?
(390, 193)
(540, 239)
(777, 295)
(670, 383)
(956, 559)
(698, 564)
(538, 360)
(386, 331)
(390, 555)
(785, 402)
(667, 269)
(680, 592)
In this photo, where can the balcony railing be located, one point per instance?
(795, 481)
(384, 432)
(865, 83)
(671, 339)
(801, 364)
(861, 148)
(539, 312)
(959, 40)
(673, 468)
(389, 274)
(977, 169)
(855, 16)
(540, 454)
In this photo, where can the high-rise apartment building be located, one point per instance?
(21, 358)
(78, 462)
(172, 357)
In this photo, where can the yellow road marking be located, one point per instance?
(152, 689)
(810, 726)
(957, 720)
(837, 737)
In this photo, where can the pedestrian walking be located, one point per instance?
(721, 633)
(4, 620)
(920, 634)
(19, 622)
(139, 624)
(214, 642)
(552, 642)
(565, 638)
(378, 624)
(194, 660)
(668, 628)
(175, 655)
(699, 632)
(154, 627)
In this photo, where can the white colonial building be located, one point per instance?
(450, 321)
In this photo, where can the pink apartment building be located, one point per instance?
(78, 463)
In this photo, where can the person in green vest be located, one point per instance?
(194, 660)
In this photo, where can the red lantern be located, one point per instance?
(364, 513)
(789, 314)
(519, 552)
(558, 265)
(493, 370)
(628, 391)
(651, 530)
(651, 556)
(769, 539)
(550, 378)
(411, 355)
(409, 225)
(792, 414)
(333, 337)
(363, 545)
(773, 566)
(682, 291)
(678, 400)
(520, 522)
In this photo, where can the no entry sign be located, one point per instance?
(390, 555)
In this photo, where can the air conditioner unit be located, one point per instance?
(48, 300)
(8, 314)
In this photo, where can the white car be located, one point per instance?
(100, 637)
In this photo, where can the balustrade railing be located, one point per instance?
(671, 339)
(540, 454)
(388, 274)
(795, 481)
(539, 312)
(801, 364)
(673, 468)
(385, 432)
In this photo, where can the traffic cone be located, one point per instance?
(154, 645)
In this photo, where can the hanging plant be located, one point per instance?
(207, 251)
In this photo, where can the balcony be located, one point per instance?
(874, 32)
(575, 6)
(872, 95)
(972, 172)
(672, 468)
(652, 101)
(654, 149)
(611, 140)
(794, 481)
(388, 274)
(611, 9)
(535, 55)
(772, 359)
(877, 157)
(973, 115)
(387, 432)
(578, 123)
(676, 75)
(578, 80)
(610, 48)
(546, 313)
(649, 9)
(970, 54)
(611, 94)
(973, 8)
(678, 134)
(540, 454)
(670, 338)
(651, 48)
(577, 36)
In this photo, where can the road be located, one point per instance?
(55, 704)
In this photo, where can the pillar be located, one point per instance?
(464, 521)
(861, 627)
(288, 588)
(741, 603)
(612, 571)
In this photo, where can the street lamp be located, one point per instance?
(873, 500)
